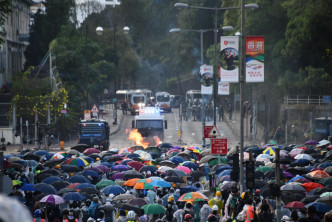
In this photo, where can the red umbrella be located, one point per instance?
(311, 185)
(295, 205)
(91, 151)
(318, 174)
(135, 164)
(72, 185)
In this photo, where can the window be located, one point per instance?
(154, 124)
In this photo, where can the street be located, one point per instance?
(192, 132)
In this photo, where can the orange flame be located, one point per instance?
(136, 137)
(158, 141)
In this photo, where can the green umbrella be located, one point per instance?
(153, 209)
(264, 169)
(214, 161)
(153, 149)
(104, 183)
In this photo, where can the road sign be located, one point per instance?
(87, 114)
(219, 146)
(95, 109)
(214, 132)
(207, 130)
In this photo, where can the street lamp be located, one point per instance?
(99, 31)
(201, 31)
(215, 74)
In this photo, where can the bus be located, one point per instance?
(323, 128)
(163, 101)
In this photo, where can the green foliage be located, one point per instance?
(5, 10)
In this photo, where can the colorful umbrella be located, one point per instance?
(318, 174)
(270, 151)
(311, 185)
(193, 196)
(59, 155)
(131, 182)
(16, 182)
(52, 199)
(143, 184)
(153, 209)
(77, 161)
(295, 205)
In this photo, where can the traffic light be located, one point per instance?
(236, 170)
(250, 174)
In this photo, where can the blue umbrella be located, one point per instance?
(28, 187)
(40, 153)
(30, 163)
(296, 177)
(325, 165)
(159, 183)
(176, 159)
(255, 149)
(45, 188)
(113, 189)
(222, 168)
(187, 189)
(50, 180)
(85, 185)
(106, 164)
(78, 179)
(320, 207)
(132, 155)
(190, 165)
(73, 196)
(90, 173)
(301, 162)
(49, 156)
(124, 162)
(87, 158)
(224, 173)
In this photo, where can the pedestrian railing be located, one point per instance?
(318, 100)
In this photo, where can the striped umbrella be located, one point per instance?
(52, 199)
(193, 196)
(77, 161)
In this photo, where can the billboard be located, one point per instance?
(255, 59)
(229, 67)
(223, 88)
(206, 72)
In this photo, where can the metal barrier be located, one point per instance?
(318, 100)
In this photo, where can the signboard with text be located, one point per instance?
(255, 59)
(219, 146)
(223, 88)
(207, 130)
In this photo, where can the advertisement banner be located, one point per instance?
(229, 67)
(206, 72)
(255, 59)
(223, 88)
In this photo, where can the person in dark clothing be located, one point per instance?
(266, 212)
(221, 113)
(311, 215)
(124, 107)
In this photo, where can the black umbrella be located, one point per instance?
(45, 188)
(53, 162)
(259, 174)
(53, 172)
(316, 156)
(287, 197)
(152, 169)
(114, 158)
(167, 163)
(310, 151)
(175, 172)
(259, 184)
(285, 160)
(125, 206)
(80, 147)
(297, 170)
(174, 179)
(165, 145)
(58, 185)
(65, 190)
(326, 199)
(89, 190)
(197, 174)
(42, 176)
(271, 174)
(131, 174)
(70, 168)
(95, 156)
(31, 156)
(309, 199)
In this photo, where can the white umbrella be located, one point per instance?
(303, 156)
(323, 142)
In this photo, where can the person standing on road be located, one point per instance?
(221, 113)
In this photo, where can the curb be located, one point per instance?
(118, 128)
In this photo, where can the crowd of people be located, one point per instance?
(168, 183)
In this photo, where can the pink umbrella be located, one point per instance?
(295, 152)
(183, 168)
(91, 151)
(52, 199)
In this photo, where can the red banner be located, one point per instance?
(255, 59)
(219, 146)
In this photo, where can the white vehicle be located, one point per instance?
(163, 101)
(192, 96)
(136, 102)
(122, 95)
(150, 123)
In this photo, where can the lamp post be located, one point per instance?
(215, 74)
(99, 31)
(201, 31)
(242, 68)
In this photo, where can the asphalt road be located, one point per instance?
(192, 132)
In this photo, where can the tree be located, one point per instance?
(5, 10)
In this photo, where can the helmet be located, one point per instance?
(71, 174)
(170, 198)
(97, 158)
(243, 195)
(285, 218)
(58, 166)
(218, 193)
(215, 207)
(131, 215)
(37, 213)
(187, 216)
